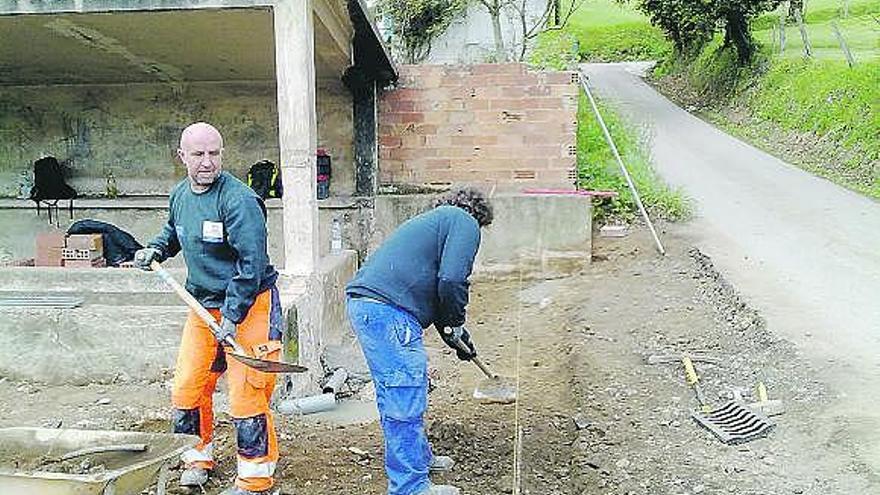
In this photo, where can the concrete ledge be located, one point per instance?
(534, 234)
(315, 319)
(93, 343)
(84, 280)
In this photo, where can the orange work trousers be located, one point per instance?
(200, 362)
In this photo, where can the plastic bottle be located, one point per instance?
(336, 236)
(112, 190)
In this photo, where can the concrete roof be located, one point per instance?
(129, 41)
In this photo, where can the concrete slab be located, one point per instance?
(93, 343)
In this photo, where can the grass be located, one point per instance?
(609, 31)
(860, 31)
(598, 170)
(832, 109)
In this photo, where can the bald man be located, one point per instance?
(219, 224)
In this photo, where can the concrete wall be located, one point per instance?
(127, 329)
(336, 133)
(469, 40)
(533, 235)
(133, 131)
(129, 325)
(496, 123)
(562, 222)
(143, 218)
(317, 320)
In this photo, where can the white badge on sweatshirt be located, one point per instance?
(212, 231)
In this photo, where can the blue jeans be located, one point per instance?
(391, 339)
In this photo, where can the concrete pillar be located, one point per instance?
(297, 132)
(365, 145)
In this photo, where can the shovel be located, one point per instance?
(494, 389)
(237, 352)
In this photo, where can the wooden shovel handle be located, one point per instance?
(194, 305)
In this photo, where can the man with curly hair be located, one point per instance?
(417, 277)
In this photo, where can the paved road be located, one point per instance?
(802, 250)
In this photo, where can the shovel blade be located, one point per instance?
(497, 390)
(267, 366)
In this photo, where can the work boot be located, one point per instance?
(193, 476)
(441, 490)
(234, 490)
(441, 464)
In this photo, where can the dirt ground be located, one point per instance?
(592, 417)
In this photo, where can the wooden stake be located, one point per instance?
(808, 49)
(843, 46)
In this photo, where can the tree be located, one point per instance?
(494, 8)
(416, 23)
(689, 24)
(795, 7)
(553, 17)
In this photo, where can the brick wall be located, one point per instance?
(495, 123)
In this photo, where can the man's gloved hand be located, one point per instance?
(227, 329)
(143, 258)
(459, 339)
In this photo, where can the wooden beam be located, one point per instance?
(337, 24)
(297, 133)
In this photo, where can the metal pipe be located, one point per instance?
(632, 186)
(307, 405)
(336, 381)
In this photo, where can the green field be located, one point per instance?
(859, 29)
(820, 95)
(609, 31)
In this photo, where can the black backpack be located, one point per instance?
(264, 178)
(49, 181)
(119, 245)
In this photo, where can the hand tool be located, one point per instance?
(237, 352)
(495, 389)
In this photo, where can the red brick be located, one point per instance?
(539, 90)
(437, 141)
(425, 129)
(512, 91)
(477, 104)
(456, 152)
(438, 164)
(561, 77)
(401, 105)
(462, 140)
(401, 94)
(481, 69)
(413, 141)
(564, 90)
(510, 104)
(390, 141)
(485, 140)
(460, 117)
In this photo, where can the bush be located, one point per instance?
(824, 97)
(621, 42)
(554, 50)
(598, 170)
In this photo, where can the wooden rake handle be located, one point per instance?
(194, 305)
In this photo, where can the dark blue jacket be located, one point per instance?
(423, 267)
(222, 233)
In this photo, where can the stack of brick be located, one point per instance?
(495, 123)
(84, 251)
(75, 251)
